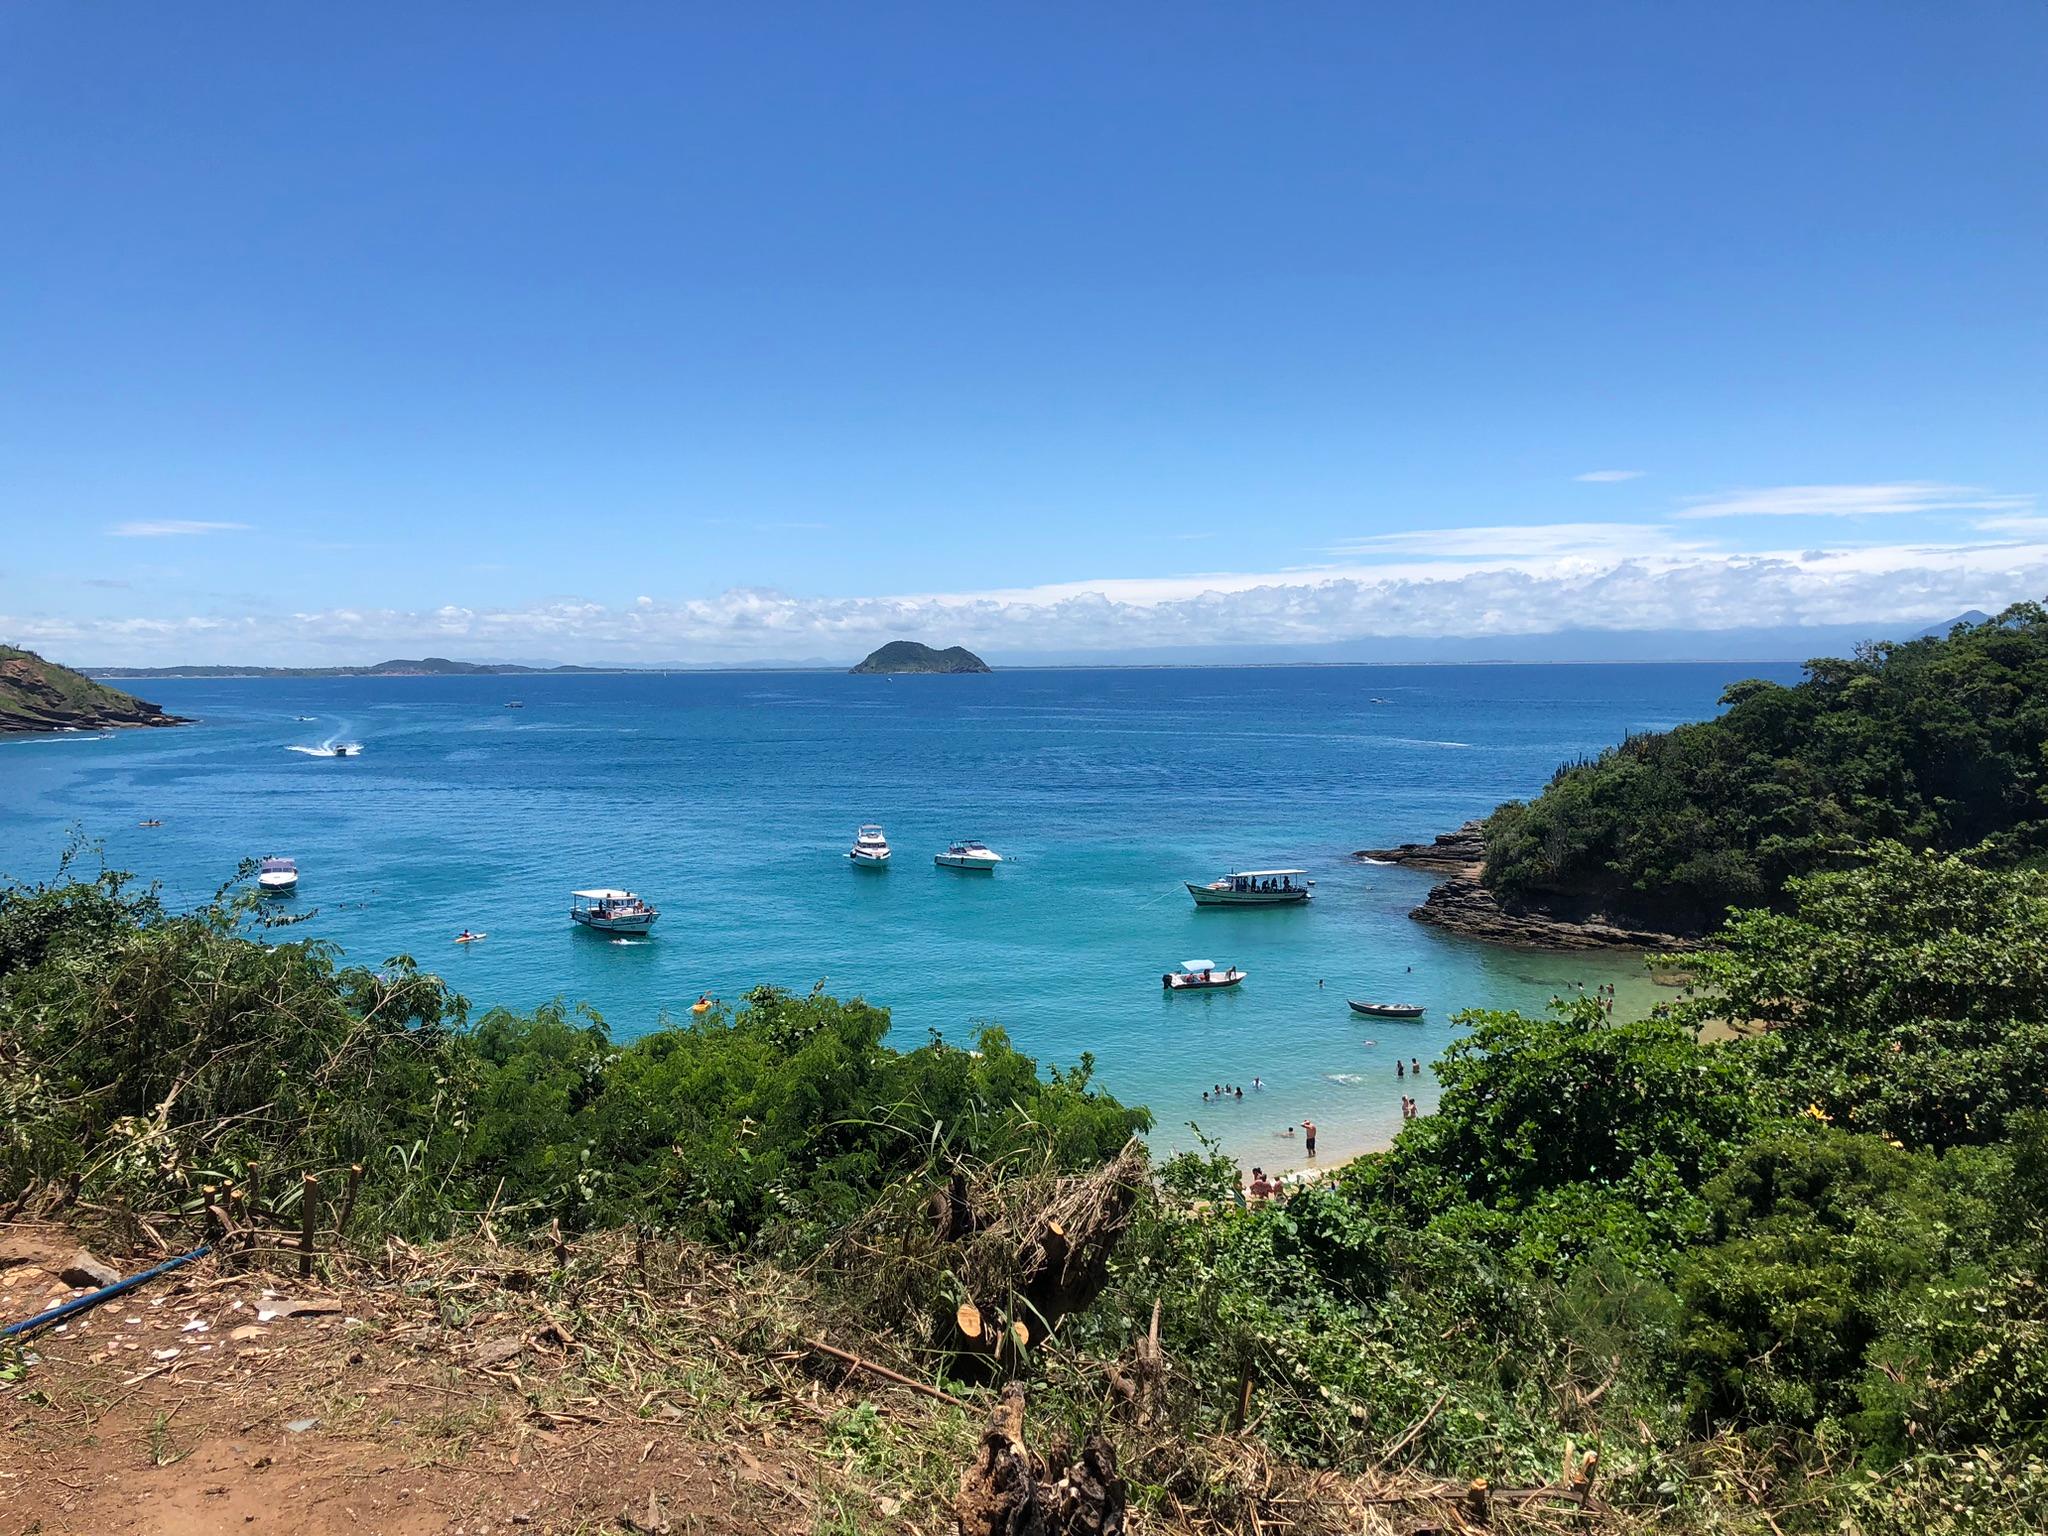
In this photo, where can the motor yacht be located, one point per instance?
(968, 854)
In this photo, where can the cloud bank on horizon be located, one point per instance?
(1498, 580)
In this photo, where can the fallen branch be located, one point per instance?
(855, 1362)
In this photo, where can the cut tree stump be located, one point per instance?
(1010, 1490)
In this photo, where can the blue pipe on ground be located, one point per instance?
(105, 1293)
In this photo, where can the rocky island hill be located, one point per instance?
(909, 656)
(39, 695)
(1937, 741)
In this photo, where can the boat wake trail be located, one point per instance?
(333, 746)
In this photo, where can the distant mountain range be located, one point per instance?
(1787, 643)
(426, 666)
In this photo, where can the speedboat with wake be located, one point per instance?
(968, 854)
(1254, 888)
(609, 911)
(870, 848)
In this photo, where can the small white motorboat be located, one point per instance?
(968, 854)
(277, 877)
(610, 911)
(870, 848)
(1200, 976)
(348, 749)
(1254, 888)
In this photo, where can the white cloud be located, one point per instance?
(1853, 501)
(1675, 590)
(170, 528)
(1608, 476)
(1526, 541)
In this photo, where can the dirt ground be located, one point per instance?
(210, 1402)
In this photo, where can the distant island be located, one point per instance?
(425, 666)
(909, 656)
(39, 695)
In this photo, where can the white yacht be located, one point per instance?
(610, 911)
(870, 848)
(277, 877)
(968, 854)
(1254, 888)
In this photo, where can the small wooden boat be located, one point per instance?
(1200, 976)
(1387, 1010)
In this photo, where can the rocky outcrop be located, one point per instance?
(1452, 853)
(39, 695)
(1463, 905)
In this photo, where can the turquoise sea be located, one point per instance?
(729, 801)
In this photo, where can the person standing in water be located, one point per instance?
(1308, 1137)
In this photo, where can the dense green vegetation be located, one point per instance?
(146, 1056)
(1788, 1283)
(1940, 742)
(910, 656)
(1802, 1268)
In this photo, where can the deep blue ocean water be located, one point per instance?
(729, 801)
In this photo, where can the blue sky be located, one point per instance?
(705, 333)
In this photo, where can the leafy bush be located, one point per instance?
(152, 1058)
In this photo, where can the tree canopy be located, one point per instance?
(1938, 743)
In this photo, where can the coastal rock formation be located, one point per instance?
(39, 695)
(1452, 853)
(1462, 904)
(909, 656)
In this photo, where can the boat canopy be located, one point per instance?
(1261, 874)
(276, 866)
(603, 895)
(1198, 965)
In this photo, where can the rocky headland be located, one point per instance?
(1462, 904)
(39, 695)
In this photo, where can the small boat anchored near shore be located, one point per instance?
(1254, 888)
(968, 854)
(609, 911)
(277, 877)
(1386, 1010)
(1200, 976)
(870, 848)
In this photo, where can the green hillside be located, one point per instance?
(39, 695)
(909, 656)
(1936, 742)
